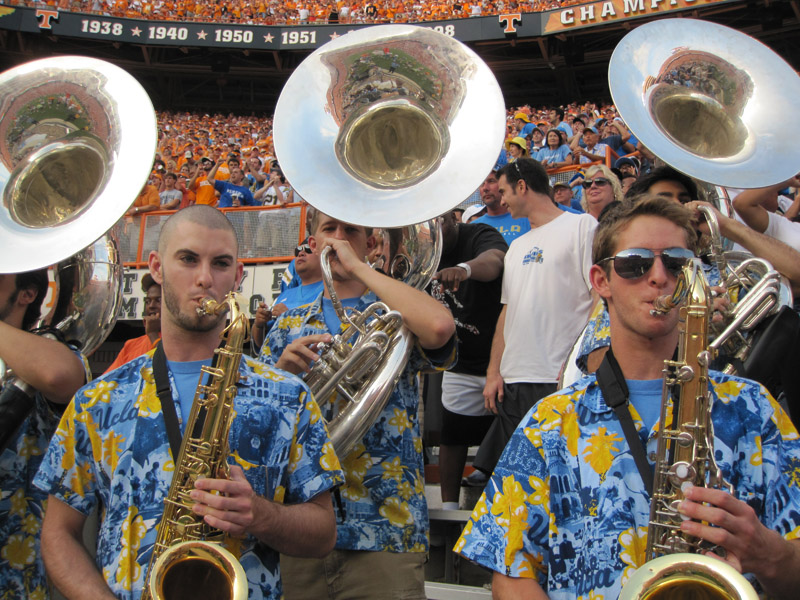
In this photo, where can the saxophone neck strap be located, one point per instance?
(615, 393)
(164, 391)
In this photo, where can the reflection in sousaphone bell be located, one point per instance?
(77, 140)
(406, 123)
(703, 98)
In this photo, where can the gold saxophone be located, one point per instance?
(677, 567)
(188, 559)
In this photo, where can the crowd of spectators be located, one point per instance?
(300, 12)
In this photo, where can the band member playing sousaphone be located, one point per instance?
(383, 539)
(115, 445)
(55, 371)
(567, 509)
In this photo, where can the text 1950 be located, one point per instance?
(234, 36)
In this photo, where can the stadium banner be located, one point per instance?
(307, 37)
(606, 11)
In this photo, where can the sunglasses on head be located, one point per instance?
(598, 181)
(302, 248)
(637, 262)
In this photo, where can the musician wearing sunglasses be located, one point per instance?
(307, 265)
(566, 511)
(670, 185)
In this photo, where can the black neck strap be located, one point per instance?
(615, 393)
(161, 376)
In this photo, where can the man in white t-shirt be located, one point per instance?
(757, 208)
(546, 297)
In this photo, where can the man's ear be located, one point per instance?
(312, 241)
(372, 241)
(599, 280)
(154, 262)
(26, 296)
(239, 274)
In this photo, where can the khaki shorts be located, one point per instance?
(355, 575)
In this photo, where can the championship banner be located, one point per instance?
(606, 11)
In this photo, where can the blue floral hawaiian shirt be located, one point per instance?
(384, 490)
(567, 505)
(111, 448)
(22, 505)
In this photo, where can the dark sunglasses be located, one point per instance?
(637, 262)
(302, 248)
(599, 181)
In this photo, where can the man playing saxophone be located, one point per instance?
(111, 448)
(383, 539)
(566, 511)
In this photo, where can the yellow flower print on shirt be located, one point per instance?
(634, 547)
(396, 512)
(592, 596)
(31, 524)
(40, 593)
(509, 504)
(728, 390)
(757, 457)
(599, 453)
(558, 412)
(147, 402)
(28, 447)
(100, 392)
(111, 449)
(329, 460)
(19, 551)
(405, 490)
(80, 477)
(19, 503)
(295, 457)
(355, 466)
(133, 531)
(393, 469)
(541, 491)
(783, 422)
(400, 420)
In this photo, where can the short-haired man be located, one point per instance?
(307, 266)
(232, 193)
(382, 541)
(199, 184)
(566, 512)
(55, 371)
(497, 214)
(546, 301)
(112, 447)
(671, 185)
(152, 325)
(593, 149)
(170, 196)
(555, 117)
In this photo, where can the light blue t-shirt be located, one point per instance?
(507, 225)
(187, 376)
(329, 313)
(645, 395)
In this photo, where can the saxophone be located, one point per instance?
(677, 566)
(188, 558)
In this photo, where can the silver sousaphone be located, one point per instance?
(77, 140)
(385, 127)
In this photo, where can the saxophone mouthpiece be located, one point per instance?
(662, 305)
(209, 306)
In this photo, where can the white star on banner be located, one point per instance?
(268, 38)
(136, 32)
(201, 35)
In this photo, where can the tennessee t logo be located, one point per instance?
(46, 17)
(507, 21)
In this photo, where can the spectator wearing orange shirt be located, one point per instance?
(203, 190)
